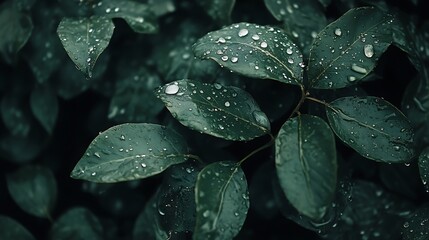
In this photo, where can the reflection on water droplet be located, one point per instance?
(221, 40)
(255, 37)
(172, 89)
(397, 148)
(224, 58)
(93, 174)
(227, 104)
(368, 50)
(243, 32)
(337, 32)
(217, 86)
(144, 165)
(289, 51)
(352, 78)
(234, 59)
(359, 69)
(97, 154)
(264, 45)
(161, 212)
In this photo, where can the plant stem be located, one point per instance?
(301, 101)
(320, 101)
(266, 145)
(195, 157)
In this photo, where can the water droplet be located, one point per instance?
(161, 212)
(116, 9)
(224, 58)
(396, 148)
(264, 45)
(234, 59)
(122, 137)
(359, 69)
(108, 10)
(206, 213)
(289, 51)
(352, 78)
(221, 40)
(255, 37)
(290, 60)
(227, 104)
(406, 224)
(144, 165)
(93, 174)
(337, 32)
(217, 86)
(97, 154)
(243, 32)
(261, 118)
(236, 214)
(172, 89)
(368, 50)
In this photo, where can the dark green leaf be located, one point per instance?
(15, 29)
(85, 39)
(373, 127)
(416, 226)
(303, 19)
(218, 10)
(225, 112)
(402, 179)
(349, 48)
(34, 189)
(15, 115)
(254, 51)
(424, 167)
(306, 164)
(138, 16)
(77, 224)
(134, 100)
(11, 229)
(130, 151)
(44, 104)
(222, 201)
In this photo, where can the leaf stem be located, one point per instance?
(304, 95)
(266, 145)
(321, 102)
(195, 157)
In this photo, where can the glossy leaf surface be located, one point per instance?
(85, 39)
(130, 151)
(34, 189)
(373, 127)
(424, 167)
(306, 164)
(416, 226)
(254, 51)
(11, 229)
(220, 111)
(348, 49)
(222, 201)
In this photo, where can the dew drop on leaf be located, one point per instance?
(234, 59)
(243, 32)
(368, 50)
(264, 45)
(359, 69)
(172, 89)
(338, 32)
(255, 37)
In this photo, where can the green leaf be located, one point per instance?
(218, 10)
(134, 100)
(226, 112)
(130, 151)
(44, 104)
(138, 16)
(85, 39)
(76, 224)
(11, 229)
(424, 167)
(303, 19)
(416, 226)
(254, 51)
(15, 29)
(222, 201)
(348, 49)
(306, 164)
(14, 114)
(372, 127)
(34, 189)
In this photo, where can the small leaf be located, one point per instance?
(11, 229)
(416, 226)
(76, 224)
(130, 151)
(254, 51)
(85, 39)
(218, 10)
(424, 167)
(15, 29)
(306, 164)
(372, 127)
(44, 104)
(226, 112)
(138, 16)
(222, 201)
(348, 49)
(14, 114)
(34, 189)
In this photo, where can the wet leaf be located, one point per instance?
(345, 52)
(424, 167)
(226, 112)
(138, 15)
(134, 100)
(76, 224)
(44, 105)
(254, 51)
(416, 225)
(218, 10)
(372, 127)
(85, 39)
(130, 151)
(222, 201)
(302, 20)
(34, 189)
(306, 164)
(15, 29)
(11, 229)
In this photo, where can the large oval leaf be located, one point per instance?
(130, 151)
(11, 229)
(222, 201)
(254, 51)
(85, 39)
(348, 49)
(424, 167)
(225, 112)
(373, 127)
(306, 164)
(34, 189)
